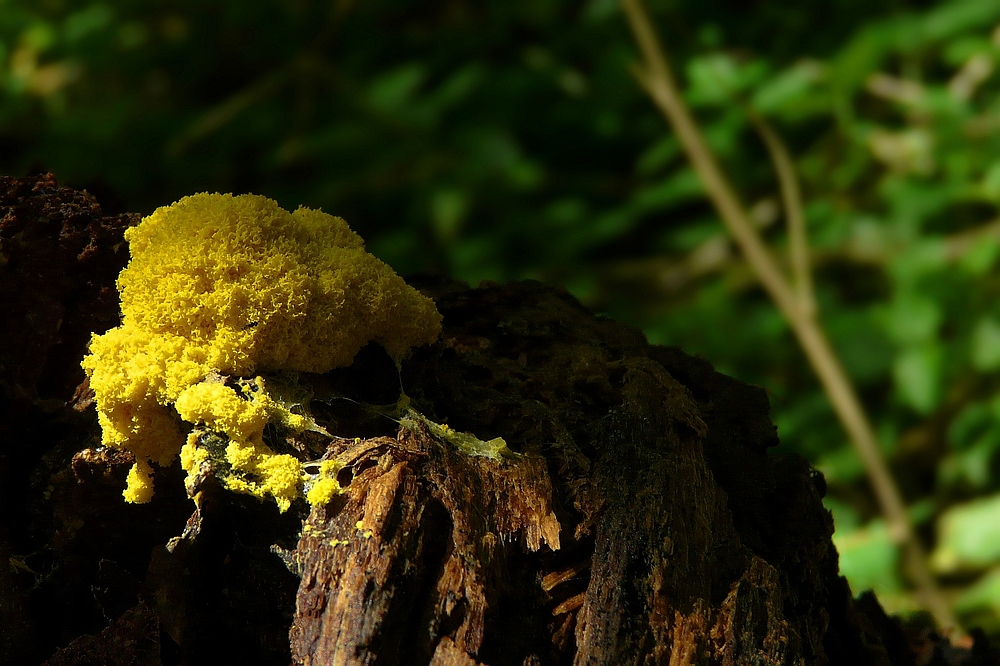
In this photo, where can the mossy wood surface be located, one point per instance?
(639, 520)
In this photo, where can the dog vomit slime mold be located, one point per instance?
(221, 289)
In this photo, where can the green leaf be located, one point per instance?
(841, 465)
(917, 373)
(392, 90)
(857, 59)
(914, 200)
(961, 49)
(860, 342)
(713, 79)
(789, 88)
(980, 258)
(869, 559)
(971, 466)
(968, 536)
(982, 595)
(970, 424)
(459, 86)
(87, 21)
(991, 182)
(600, 10)
(525, 174)
(912, 318)
(659, 155)
(868, 234)
(40, 36)
(920, 258)
(717, 78)
(986, 345)
(565, 213)
(846, 518)
(955, 17)
(683, 185)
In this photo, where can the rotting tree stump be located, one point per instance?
(641, 520)
(638, 520)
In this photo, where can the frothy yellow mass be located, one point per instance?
(235, 286)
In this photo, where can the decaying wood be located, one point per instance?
(638, 519)
(412, 543)
(640, 522)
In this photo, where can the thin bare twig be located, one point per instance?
(655, 76)
(795, 219)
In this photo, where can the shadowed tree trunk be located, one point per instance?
(636, 518)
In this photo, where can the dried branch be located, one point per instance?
(791, 200)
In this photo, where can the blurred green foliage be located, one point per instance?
(504, 140)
